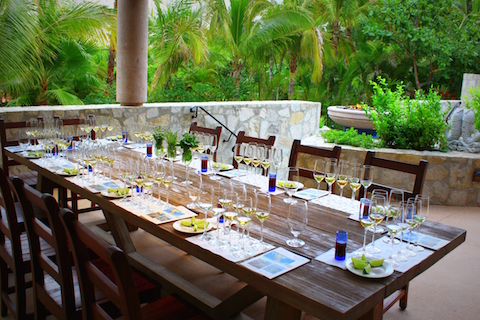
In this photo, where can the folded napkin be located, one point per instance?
(329, 258)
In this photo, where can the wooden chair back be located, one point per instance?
(12, 250)
(312, 153)
(242, 138)
(418, 170)
(7, 140)
(52, 278)
(214, 132)
(121, 292)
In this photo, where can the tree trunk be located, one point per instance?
(415, 71)
(111, 58)
(42, 99)
(293, 69)
(336, 36)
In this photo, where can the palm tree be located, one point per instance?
(176, 35)
(45, 34)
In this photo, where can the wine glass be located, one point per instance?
(168, 179)
(385, 195)
(238, 154)
(229, 197)
(297, 220)
(393, 228)
(342, 176)
(422, 204)
(263, 205)
(366, 178)
(214, 167)
(354, 179)
(149, 174)
(410, 211)
(277, 156)
(194, 187)
(259, 156)
(330, 173)
(158, 177)
(377, 214)
(319, 174)
(394, 208)
(366, 223)
(266, 159)
(206, 197)
(291, 183)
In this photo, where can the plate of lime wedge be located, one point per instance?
(372, 268)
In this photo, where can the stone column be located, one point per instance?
(132, 52)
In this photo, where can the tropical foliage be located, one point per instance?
(56, 52)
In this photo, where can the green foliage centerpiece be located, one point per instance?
(188, 142)
(159, 137)
(171, 144)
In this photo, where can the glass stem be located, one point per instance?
(418, 234)
(364, 239)
(373, 235)
(261, 232)
(168, 191)
(341, 192)
(353, 195)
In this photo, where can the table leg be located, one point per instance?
(376, 313)
(278, 310)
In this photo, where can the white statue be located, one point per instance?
(462, 135)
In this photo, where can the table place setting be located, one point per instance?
(310, 194)
(96, 187)
(333, 201)
(426, 241)
(228, 253)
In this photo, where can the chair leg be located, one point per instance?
(3, 287)
(403, 300)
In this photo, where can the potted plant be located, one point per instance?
(188, 142)
(159, 137)
(171, 144)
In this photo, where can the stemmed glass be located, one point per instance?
(263, 205)
(214, 167)
(319, 174)
(342, 177)
(410, 211)
(168, 179)
(247, 210)
(385, 195)
(354, 179)
(330, 173)
(266, 159)
(393, 228)
(149, 178)
(158, 177)
(124, 166)
(366, 178)
(257, 160)
(297, 220)
(366, 223)
(206, 199)
(395, 208)
(422, 204)
(238, 154)
(194, 187)
(377, 214)
(249, 155)
(229, 197)
(277, 156)
(291, 183)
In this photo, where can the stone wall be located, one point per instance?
(449, 174)
(470, 80)
(287, 120)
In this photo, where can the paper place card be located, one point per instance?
(339, 203)
(329, 258)
(232, 173)
(424, 240)
(96, 187)
(310, 194)
(226, 253)
(275, 263)
(157, 215)
(14, 149)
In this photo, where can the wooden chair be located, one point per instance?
(242, 138)
(52, 279)
(418, 170)
(121, 291)
(14, 256)
(30, 177)
(214, 132)
(311, 152)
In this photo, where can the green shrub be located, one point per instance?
(474, 104)
(350, 138)
(404, 123)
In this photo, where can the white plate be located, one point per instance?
(114, 195)
(181, 228)
(225, 166)
(25, 155)
(383, 271)
(300, 185)
(63, 173)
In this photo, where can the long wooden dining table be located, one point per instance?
(322, 290)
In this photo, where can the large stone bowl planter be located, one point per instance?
(348, 117)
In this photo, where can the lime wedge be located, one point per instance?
(376, 262)
(364, 258)
(367, 268)
(359, 264)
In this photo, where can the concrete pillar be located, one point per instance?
(132, 52)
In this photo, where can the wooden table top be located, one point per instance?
(320, 289)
